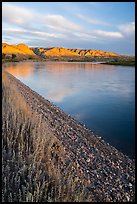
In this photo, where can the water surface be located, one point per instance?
(98, 95)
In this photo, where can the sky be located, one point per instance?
(108, 26)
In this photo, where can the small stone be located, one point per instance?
(127, 198)
(88, 160)
(120, 186)
(130, 184)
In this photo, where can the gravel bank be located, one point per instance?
(110, 173)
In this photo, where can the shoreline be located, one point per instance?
(119, 63)
(97, 159)
(95, 61)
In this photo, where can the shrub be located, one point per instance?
(13, 56)
(3, 55)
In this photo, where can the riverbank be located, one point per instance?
(108, 174)
(124, 63)
(34, 162)
(116, 60)
(121, 60)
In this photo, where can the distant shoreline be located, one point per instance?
(118, 62)
(16, 53)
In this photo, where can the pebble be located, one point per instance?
(88, 160)
(130, 184)
(128, 199)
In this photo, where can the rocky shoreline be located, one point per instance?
(111, 174)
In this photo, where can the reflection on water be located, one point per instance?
(99, 95)
(20, 69)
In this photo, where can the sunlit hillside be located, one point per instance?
(57, 51)
(22, 49)
(16, 49)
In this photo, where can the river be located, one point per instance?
(100, 96)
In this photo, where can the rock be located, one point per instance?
(127, 197)
(130, 185)
(88, 160)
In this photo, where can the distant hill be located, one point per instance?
(17, 49)
(22, 51)
(59, 51)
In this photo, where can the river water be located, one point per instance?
(100, 96)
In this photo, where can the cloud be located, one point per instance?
(60, 23)
(108, 34)
(24, 32)
(128, 30)
(15, 14)
(58, 95)
(93, 20)
(25, 18)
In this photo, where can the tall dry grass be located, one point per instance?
(32, 157)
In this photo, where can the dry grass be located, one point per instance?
(32, 156)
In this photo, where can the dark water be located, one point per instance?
(100, 96)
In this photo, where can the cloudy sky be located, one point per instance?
(108, 26)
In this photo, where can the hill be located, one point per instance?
(22, 49)
(59, 52)
(17, 52)
(22, 52)
(17, 49)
